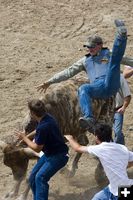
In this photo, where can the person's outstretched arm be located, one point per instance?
(31, 144)
(127, 61)
(63, 75)
(75, 145)
(128, 71)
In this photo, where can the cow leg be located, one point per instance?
(33, 155)
(14, 192)
(74, 165)
(100, 176)
(25, 193)
(83, 140)
(19, 169)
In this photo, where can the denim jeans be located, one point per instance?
(41, 173)
(103, 87)
(118, 123)
(105, 194)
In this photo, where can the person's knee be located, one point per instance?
(83, 89)
(118, 130)
(41, 178)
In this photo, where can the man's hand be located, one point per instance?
(20, 135)
(28, 135)
(121, 110)
(43, 87)
(75, 145)
(31, 144)
(68, 137)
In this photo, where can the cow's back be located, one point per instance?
(61, 101)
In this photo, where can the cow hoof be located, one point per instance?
(21, 197)
(67, 172)
(71, 174)
(9, 195)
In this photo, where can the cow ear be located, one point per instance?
(2, 145)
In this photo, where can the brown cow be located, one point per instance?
(61, 101)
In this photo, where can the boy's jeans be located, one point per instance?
(45, 168)
(107, 86)
(105, 194)
(118, 123)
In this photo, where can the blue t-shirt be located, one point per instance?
(49, 135)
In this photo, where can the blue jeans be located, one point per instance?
(103, 87)
(118, 123)
(105, 194)
(45, 168)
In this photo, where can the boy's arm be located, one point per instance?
(31, 144)
(75, 145)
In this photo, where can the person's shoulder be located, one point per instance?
(48, 117)
(107, 144)
(96, 146)
(42, 125)
(113, 145)
(118, 146)
(46, 120)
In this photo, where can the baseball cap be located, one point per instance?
(92, 41)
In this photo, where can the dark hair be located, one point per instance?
(37, 107)
(103, 132)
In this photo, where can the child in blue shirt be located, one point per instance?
(48, 138)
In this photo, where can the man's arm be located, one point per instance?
(30, 143)
(75, 145)
(127, 61)
(63, 75)
(126, 94)
(126, 101)
(30, 136)
(128, 71)
(125, 104)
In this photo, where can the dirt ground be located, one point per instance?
(39, 38)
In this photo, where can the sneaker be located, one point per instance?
(87, 123)
(121, 29)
